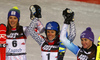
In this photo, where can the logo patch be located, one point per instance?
(13, 13)
(49, 26)
(83, 35)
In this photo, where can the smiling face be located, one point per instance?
(51, 34)
(13, 20)
(86, 43)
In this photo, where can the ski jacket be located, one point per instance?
(49, 50)
(16, 43)
(81, 53)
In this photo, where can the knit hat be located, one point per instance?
(87, 34)
(14, 12)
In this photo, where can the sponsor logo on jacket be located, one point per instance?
(49, 47)
(83, 57)
(13, 35)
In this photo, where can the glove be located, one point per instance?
(35, 11)
(68, 15)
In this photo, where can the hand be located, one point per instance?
(68, 15)
(35, 11)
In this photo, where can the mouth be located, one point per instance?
(50, 37)
(12, 23)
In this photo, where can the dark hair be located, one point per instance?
(9, 28)
(93, 52)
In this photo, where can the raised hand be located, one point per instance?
(68, 15)
(35, 11)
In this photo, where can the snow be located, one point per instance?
(86, 15)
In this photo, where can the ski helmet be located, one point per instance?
(52, 25)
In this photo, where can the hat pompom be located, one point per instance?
(88, 29)
(15, 7)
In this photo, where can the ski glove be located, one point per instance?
(68, 15)
(35, 11)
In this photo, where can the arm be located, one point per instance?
(35, 12)
(67, 40)
(72, 34)
(26, 31)
(37, 37)
(36, 26)
(73, 48)
(68, 15)
(71, 37)
(39, 28)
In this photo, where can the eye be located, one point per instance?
(10, 17)
(85, 39)
(15, 17)
(81, 39)
(48, 31)
(52, 31)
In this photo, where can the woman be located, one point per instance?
(16, 36)
(88, 49)
(51, 47)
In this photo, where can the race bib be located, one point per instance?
(16, 46)
(49, 55)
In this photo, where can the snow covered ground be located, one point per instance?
(86, 15)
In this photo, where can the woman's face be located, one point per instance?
(13, 20)
(86, 43)
(51, 34)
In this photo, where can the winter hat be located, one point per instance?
(14, 12)
(87, 34)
